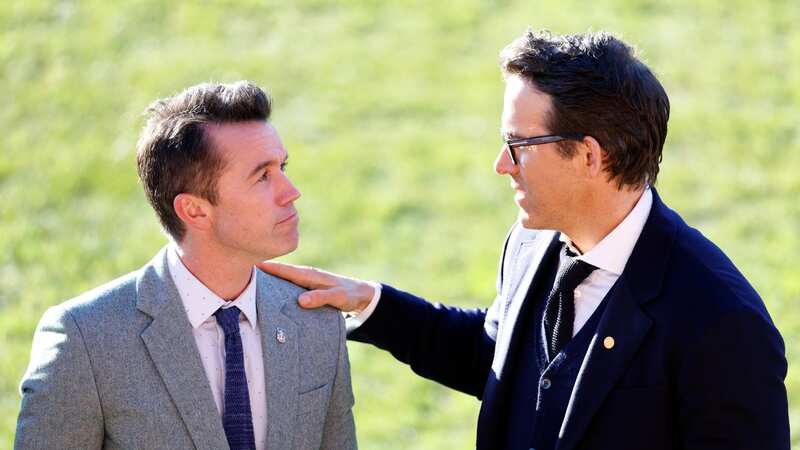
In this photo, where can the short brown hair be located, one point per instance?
(598, 87)
(174, 154)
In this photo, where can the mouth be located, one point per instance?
(519, 193)
(289, 219)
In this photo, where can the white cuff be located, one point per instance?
(355, 321)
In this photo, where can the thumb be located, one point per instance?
(315, 299)
(308, 300)
(335, 297)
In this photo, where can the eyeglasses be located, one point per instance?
(511, 144)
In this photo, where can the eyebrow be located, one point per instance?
(507, 135)
(264, 164)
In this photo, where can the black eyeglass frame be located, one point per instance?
(511, 144)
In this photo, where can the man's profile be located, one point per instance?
(615, 325)
(197, 349)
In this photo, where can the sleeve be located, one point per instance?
(449, 345)
(60, 404)
(442, 343)
(355, 321)
(339, 432)
(731, 387)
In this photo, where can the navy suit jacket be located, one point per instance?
(697, 362)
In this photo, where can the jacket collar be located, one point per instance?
(280, 336)
(170, 343)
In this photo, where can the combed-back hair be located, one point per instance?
(600, 88)
(174, 154)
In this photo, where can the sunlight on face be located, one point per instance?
(543, 179)
(255, 213)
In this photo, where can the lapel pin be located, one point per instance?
(281, 336)
(608, 342)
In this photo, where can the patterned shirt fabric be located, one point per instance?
(200, 303)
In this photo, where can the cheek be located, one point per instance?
(256, 204)
(227, 222)
(530, 178)
(238, 218)
(246, 214)
(255, 220)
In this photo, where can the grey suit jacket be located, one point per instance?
(118, 368)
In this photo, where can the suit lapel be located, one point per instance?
(279, 341)
(530, 257)
(526, 258)
(172, 348)
(623, 320)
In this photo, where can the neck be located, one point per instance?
(599, 214)
(225, 275)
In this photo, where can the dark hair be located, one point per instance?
(598, 87)
(174, 154)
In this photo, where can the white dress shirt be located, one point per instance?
(610, 256)
(200, 304)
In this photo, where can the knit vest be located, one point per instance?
(541, 389)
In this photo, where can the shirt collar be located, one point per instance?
(200, 302)
(612, 252)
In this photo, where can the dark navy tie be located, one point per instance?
(236, 416)
(559, 312)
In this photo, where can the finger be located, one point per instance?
(336, 297)
(314, 299)
(307, 277)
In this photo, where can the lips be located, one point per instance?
(291, 217)
(519, 194)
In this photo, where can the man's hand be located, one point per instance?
(346, 294)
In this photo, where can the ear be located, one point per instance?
(194, 211)
(590, 157)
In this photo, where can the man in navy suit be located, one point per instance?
(616, 325)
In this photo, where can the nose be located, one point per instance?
(503, 164)
(289, 193)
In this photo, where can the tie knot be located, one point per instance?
(572, 272)
(228, 319)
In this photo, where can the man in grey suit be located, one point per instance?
(197, 349)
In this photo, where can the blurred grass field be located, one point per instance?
(390, 112)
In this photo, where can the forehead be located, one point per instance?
(243, 143)
(525, 108)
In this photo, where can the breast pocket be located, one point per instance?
(311, 411)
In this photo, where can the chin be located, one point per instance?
(293, 240)
(528, 224)
(528, 221)
(287, 246)
(292, 245)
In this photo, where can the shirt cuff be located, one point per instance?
(355, 321)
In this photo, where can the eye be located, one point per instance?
(284, 165)
(264, 176)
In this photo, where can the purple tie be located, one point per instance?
(236, 416)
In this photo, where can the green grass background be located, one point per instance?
(390, 111)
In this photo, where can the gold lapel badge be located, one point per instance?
(608, 342)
